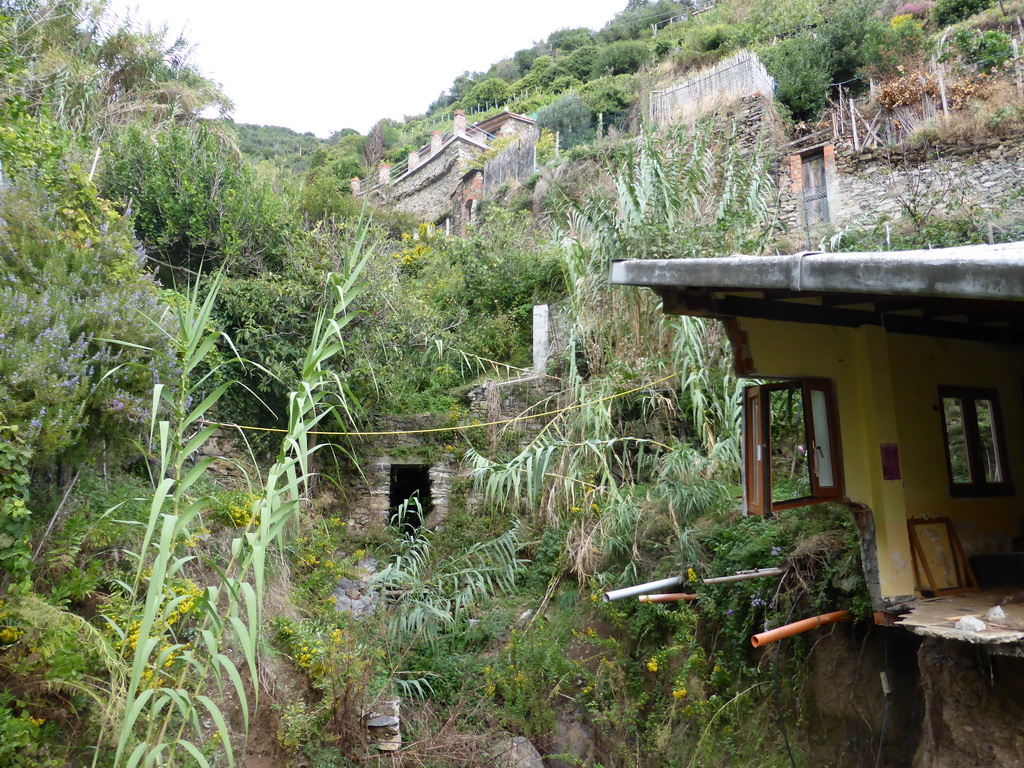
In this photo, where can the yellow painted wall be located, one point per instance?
(984, 524)
(886, 392)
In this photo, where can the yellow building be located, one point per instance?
(892, 383)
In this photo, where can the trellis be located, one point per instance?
(742, 74)
(516, 162)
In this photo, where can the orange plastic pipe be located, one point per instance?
(672, 597)
(797, 627)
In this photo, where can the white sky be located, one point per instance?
(320, 66)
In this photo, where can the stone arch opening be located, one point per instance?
(407, 482)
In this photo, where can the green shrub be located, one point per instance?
(483, 94)
(506, 70)
(609, 95)
(903, 46)
(326, 197)
(622, 58)
(15, 549)
(526, 57)
(567, 40)
(580, 63)
(195, 202)
(710, 38)
(664, 43)
(565, 83)
(800, 68)
(568, 116)
(946, 12)
(635, 21)
(985, 51)
(74, 369)
(843, 34)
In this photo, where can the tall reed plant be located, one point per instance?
(692, 191)
(167, 695)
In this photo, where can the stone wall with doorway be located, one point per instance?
(919, 180)
(401, 444)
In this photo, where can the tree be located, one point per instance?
(799, 65)
(622, 58)
(568, 40)
(491, 90)
(89, 70)
(567, 115)
(196, 203)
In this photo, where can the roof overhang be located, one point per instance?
(972, 292)
(501, 118)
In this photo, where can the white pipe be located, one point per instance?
(757, 573)
(643, 589)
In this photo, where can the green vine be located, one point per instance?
(15, 552)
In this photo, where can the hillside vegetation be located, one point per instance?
(163, 274)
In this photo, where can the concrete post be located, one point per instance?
(541, 323)
(414, 160)
(459, 129)
(384, 175)
(357, 186)
(435, 142)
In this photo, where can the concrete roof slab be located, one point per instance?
(976, 272)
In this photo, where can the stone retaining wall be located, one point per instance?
(232, 464)
(931, 178)
(985, 174)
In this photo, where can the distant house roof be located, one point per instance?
(972, 292)
(493, 124)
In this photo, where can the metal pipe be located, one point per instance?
(797, 627)
(757, 573)
(641, 589)
(671, 597)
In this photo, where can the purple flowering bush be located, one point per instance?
(920, 10)
(78, 357)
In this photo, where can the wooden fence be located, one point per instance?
(742, 74)
(516, 162)
(934, 94)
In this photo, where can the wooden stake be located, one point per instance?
(96, 157)
(942, 90)
(842, 120)
(1016, 66)
(853, 122)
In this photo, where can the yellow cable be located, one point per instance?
(456, 428)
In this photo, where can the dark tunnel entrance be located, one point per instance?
(409, 481)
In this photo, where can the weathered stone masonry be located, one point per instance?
(465, 199)
(938, 177)
(371, 505)
(427, 191)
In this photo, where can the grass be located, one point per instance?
(996, 111)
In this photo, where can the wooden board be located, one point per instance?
(940, 563)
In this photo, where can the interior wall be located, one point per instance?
(887, 393)
(985, 525)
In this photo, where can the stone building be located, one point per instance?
(442, 182)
